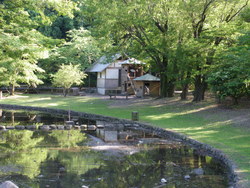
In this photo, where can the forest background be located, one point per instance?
(191, 44)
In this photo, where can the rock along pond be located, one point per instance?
(97, 154)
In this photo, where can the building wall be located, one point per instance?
(112, 73)
(101, 79)
(139, 85)
(101, 91)
(111, 83)
(101, 82)
(154, 89)
(108, 79)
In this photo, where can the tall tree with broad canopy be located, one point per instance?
(155, 29)
(214, 24)
(68, 75)
(21, 44)
(230, 75)
(145, 28)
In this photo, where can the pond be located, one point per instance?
(99, 155)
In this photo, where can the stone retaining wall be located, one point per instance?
(202, 148)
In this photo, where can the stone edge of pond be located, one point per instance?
(204, 149)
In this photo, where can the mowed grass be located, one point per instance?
(187, 119)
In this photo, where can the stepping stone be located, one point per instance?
(8, 184)
(2, 127)
(60, 127)
(68, 127)
(20, 127)
(44, 127)
(31, 127)
(53, 127)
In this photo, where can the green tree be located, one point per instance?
(81, 48)
(18, 60)
(231, 75)
(59, 28)
(21, 44)
(153, 30)
(146, 29)
(68, 75)
(214, 24)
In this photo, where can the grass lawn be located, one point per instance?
(201, 121)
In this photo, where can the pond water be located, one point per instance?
(103, 157)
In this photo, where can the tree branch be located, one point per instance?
(229, 17)
(199, 26)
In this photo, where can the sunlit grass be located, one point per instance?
(235, 142)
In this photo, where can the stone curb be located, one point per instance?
(203, 149)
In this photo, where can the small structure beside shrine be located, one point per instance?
(147, 85)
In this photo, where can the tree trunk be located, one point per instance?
(170, 88)
(204, 88)
(65, 92)
(13, 90)
(163, 92)
(185, 86)
(167, 86)
(200, 88)
(235, 101)
(184, 91)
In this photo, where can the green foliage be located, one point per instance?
(68, 138)
(68, 75)
(154, 30)
(21, 44)
(81, 48)
(246, 15)
(18, 150)
(231, 76)
(19, 140)
(80, 162)
(59, 28)
(26, 163)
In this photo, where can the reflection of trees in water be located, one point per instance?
(25, 163)
(19, 140)
(68, 138)
(18, 150)
(142, 169)
(75, 165)
(75, 162)
(146, 168)
(18, 117)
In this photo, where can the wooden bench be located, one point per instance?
(115, 92)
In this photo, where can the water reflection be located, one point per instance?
(62, 159)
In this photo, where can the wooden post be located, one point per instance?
(1, 94)
(135, 116)
(69, 113)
